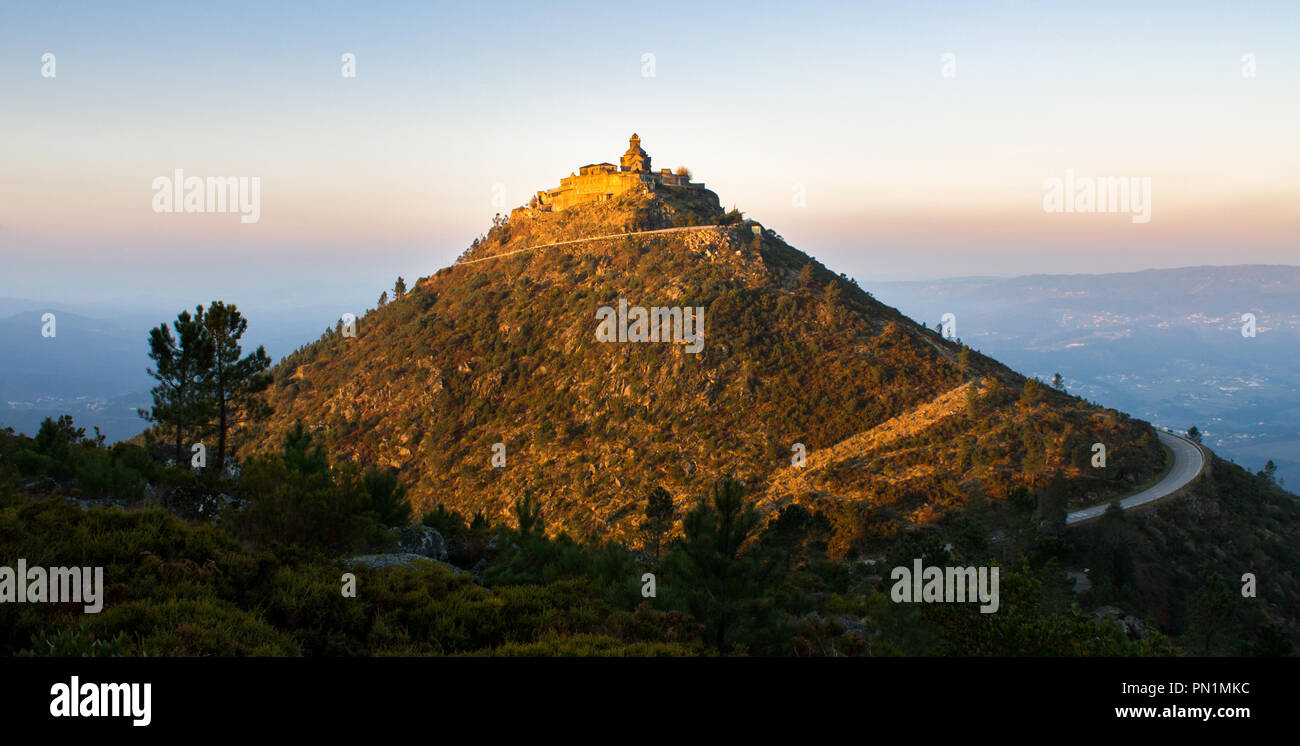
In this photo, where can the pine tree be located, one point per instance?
(1058, 382)
(1032, 392)
(181, 363)
(720, 580)
(1211, 615)
(528, 513)
(387, 496)
(1110, 563)
(1052, 504)
(786, 532)
(301, 455)
(232, 381)
(659, 512)
(972, 401)
(399, 289)
(383, 299)
(1269, 472)
(832, 294)
(56, 437)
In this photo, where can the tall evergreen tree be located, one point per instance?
(528, 513)
(1211, 613)
(1269, 472)
(232, 380)
(1111, 561)
(721, 581)
(831, 293)
(658, 519)
(1032, 392)
(786, 532)
(181, 363)
(387, 496)
(973, 400)
(1051, 505)
(300, 454)
(56, 437)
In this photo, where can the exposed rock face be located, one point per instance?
(1133, 628)
(395, 559)
(415, 544)
(194, 503)
(421, 540)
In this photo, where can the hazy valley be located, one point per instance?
(1165, 345)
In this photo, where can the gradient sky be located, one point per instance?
(908, 174)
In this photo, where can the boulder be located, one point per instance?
(421, 540)
(397, 559)
(1108, 612)
(1133, 628)
(852, 625)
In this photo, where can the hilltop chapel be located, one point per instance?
(600, 181)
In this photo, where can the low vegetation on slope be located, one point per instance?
(1189, 563)
(229, 579)
(503, 351)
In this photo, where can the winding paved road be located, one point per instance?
(1188, 462)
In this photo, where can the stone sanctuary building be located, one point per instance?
(600, 181)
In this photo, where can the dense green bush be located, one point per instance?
(299, 501)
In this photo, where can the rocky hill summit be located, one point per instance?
(490, 381)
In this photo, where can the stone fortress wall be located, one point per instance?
(600, 181)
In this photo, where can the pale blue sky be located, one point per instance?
(908, 174)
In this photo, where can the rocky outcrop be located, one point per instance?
(415, 544)
(421, 541)
(1133, 628)
(394, 559)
